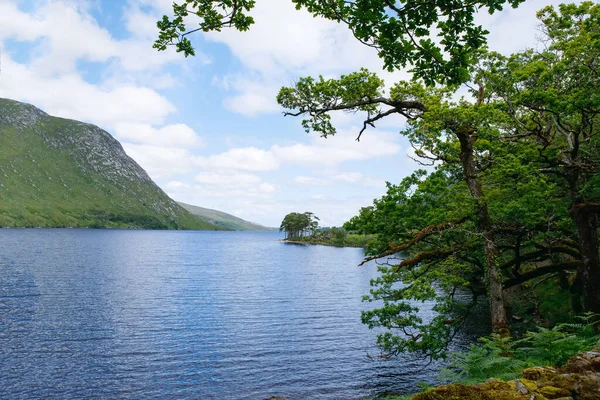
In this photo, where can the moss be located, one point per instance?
(539, 373)
(530, 385)
(552, 392)
(579, 379)
(500, 390)
(453, 392)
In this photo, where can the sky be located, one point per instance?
(207, 129)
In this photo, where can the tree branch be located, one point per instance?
(567, 265)
(422, 234)
(399, 106)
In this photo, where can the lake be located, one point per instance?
(107, 314)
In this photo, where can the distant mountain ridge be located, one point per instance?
(225, 220)
(57, 172)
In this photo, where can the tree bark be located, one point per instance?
(587, 229)
(585, 218)
(494, 279)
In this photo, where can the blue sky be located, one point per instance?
(207, 129)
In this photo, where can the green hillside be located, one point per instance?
(56, 172)
(225, 220)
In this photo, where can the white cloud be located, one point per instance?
(228, 180)
(70, 96)
(218, 191)
(514, 30)
(359, 179)
(319, 152)
(66, 33)
(248, 158)
(160, 162)
(338, 149)
(176, 135)
(61, 34)
(310, 181)
(251, 103)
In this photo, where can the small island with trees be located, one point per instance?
(303, 228)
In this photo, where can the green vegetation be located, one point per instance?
(224, 220)
(401, 33)
(337, 237)
(504, 358)
(61, 173)
(296, 225)
(304, 228)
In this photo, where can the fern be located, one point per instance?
(505, 358)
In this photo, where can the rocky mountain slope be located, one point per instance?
(56, 172)
(225, 220)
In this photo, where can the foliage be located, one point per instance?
(335, 237)
(505, 358)
(400, 32)
(213, 16)
(552, 99)
(299, 224)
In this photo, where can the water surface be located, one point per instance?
(102, 314)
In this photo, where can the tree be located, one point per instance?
(298, 224)
(445, 130)
(429, 248)
(399, 31)
(553, 99)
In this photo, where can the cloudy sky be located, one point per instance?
(207, 129)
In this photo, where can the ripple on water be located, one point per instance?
(189, 315)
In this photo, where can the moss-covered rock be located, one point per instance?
(453, 392)
(552, 392)
(578, 379)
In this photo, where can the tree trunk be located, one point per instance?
(494, 280)
(587, 230)
(586, 224)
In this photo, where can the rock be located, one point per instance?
(552, 392)
(453, 392)
(579, 363)
(538, 373)
(578, 379)
(587, 386)
(524, 386)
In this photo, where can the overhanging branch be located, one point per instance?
(422, 234)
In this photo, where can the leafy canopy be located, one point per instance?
(401, 32)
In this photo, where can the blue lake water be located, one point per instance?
(116, 314)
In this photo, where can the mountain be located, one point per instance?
(56, 172)
(225, 220)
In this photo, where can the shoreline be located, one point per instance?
(300, 242)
